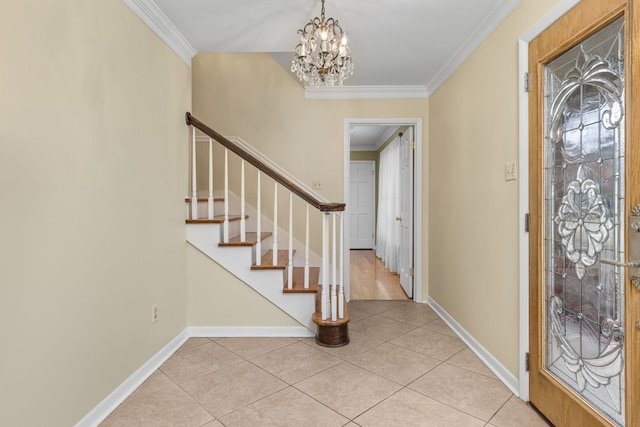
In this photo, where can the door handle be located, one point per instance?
(630, 264)
(635, 280)
(398, 218)
(634, 248)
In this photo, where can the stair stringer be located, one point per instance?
(238, 260)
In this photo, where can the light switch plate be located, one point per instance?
(510, 171)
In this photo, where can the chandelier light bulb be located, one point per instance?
(324, 33)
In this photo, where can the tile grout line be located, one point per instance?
(345, 358)
(445, 403)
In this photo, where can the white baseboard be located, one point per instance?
(111, 402)
(249, 331)
(492, 363)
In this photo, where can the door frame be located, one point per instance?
(523, 187)
(373, 197)
(420, 259)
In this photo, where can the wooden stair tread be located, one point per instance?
(267, 261)
(217, 219)
(251, 239)
(204, 199)
(298, 281)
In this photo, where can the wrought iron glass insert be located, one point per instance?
(584, 206)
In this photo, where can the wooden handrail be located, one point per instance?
(263, 167)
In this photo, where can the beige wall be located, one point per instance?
(92, 171)
(364, 155)
(252, 97)
(217, 298)
(473, 214)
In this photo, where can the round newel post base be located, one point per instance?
(333, 335)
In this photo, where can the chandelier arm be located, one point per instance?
(305, 31)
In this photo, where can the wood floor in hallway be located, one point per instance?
(371, 280)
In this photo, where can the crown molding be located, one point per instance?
(366, 92)
(157, 21)
(489, 23)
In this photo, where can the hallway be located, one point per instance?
(371, 280)
(403, 367)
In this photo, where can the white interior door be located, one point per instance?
(362, 204)
(405, 260)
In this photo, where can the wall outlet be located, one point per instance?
(510, 171)
(316, 185)
(154, 313)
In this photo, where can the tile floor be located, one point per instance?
(403, 367)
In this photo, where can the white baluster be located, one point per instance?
(334, 296)
(210, 201)
(258, 230)
(325, 266)
(194, 186)
(290, 266)
(243, 222)
(341, 275)
(275, 223)
(225, 229)
(306, 252)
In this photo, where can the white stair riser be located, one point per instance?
(267, 225)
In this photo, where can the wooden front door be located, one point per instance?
(584, 189)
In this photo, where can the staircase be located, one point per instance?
(284, 274)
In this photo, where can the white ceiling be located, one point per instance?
(370, 137)
(401, 48)
(399, 43)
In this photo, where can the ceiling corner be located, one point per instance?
(488, 24)
(149, 12)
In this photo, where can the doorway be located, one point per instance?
(361, 261)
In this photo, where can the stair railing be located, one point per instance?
(332, 271)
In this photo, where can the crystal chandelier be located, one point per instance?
(322, 56)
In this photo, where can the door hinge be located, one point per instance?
(411, 272)
(412, 144)
(526, 362)
(526, 223)
(526, 82)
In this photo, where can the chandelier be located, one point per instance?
(322, 56)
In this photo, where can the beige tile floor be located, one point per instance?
(403, 367)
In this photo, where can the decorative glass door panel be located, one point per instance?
(584, 150)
